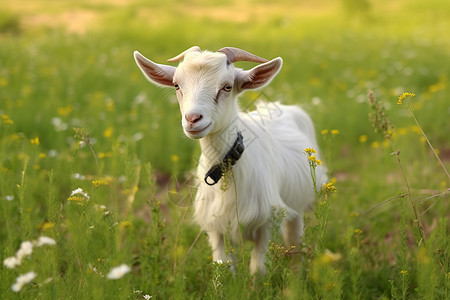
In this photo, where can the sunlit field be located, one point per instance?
(96, 186)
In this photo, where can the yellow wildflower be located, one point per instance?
(108, 132)
(76, 199)
(104, 154)
(45, 226)
(363, 138)
(404, 272)
(99, 182)
(375, 144)
(334, 131)
(328, 188)
(175, 158)
(65, 110)
(310, 151)
(328, 257)
(358, 231)
(124, 224)
(6, 120)
(404, 96)
(34, 141)
(314, 161)
(325, 131)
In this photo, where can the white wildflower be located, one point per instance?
(118, 272)
(9, 197)
(147, 297)
(22, 280)
(26, 248)
(45, 240)
(11, 262)
(78, 176)
(79, 191)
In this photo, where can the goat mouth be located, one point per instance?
(197, 132)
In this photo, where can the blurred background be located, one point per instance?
(68, 64)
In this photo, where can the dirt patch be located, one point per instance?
(76, 21)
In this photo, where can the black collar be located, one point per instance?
(230, 159)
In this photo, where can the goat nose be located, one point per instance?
(193, 118)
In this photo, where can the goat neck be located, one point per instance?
(216, 144)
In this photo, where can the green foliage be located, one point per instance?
(69, 66)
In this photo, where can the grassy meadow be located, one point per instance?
(93, 156)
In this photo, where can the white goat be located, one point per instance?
(273, 171)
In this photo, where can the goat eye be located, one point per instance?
(227, 88)
(176, 86)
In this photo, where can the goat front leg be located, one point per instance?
(218, 246)
(258, 256)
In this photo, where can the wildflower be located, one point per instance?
(358, 231)
(22, 280)
(334, 131)
(79, 191)
(26, 248)
(105, 154)
(310, 151)
(44, 240)
(35, 141)
(9, 197)
(175, 158)
(99, 182)
(45, 226)
(404, 272)
(108, 132)
(314, 161)
(328, 188)
(147, 297)
(118, 272)
(137, 136)
(404, 96)
(11, 262)
(65, 110)
(75, 199)
(125, 224)
(6, 120)
(363, 138)
(78, 176)
(329, 257)
(325, 131)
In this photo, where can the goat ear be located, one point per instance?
(156, 73)
(260, 75)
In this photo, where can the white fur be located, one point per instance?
(273, 170)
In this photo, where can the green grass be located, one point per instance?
(131, 157)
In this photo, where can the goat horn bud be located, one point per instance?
(236, 54)
(181, 55)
